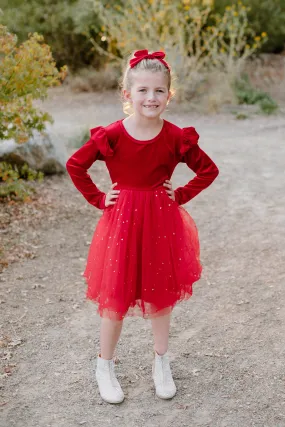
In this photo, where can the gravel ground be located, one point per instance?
(226, 343)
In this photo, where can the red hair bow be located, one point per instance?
(143, 54)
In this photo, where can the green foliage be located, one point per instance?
(241, 116)
(264, 16)
(235, 40)
(65, 25)
(247, 94)
(13, 182)
(268, 105)
(26, 72)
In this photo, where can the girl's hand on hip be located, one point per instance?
(169, 190)
(112, 194)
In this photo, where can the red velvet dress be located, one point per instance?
(144, 255)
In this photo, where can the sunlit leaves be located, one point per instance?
(26, 72)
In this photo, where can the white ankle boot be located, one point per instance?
(109, 387)
(161, 373)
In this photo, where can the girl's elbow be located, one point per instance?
(216, 172)
(68, 164)
(213, 174)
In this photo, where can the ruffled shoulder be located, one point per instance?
(189, 139)
(99, 136)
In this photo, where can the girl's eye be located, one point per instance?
(159, 90)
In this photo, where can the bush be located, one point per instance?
(183, 30)
(26, 72)
(13, 182)
(88, 79)
(264, 16)
(65, 25)
(235, 39)
(246, 94)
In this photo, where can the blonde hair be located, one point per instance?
(153, 65)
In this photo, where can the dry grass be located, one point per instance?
(91, 80)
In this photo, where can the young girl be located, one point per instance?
(144, 255)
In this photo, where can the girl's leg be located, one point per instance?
(109, 336)
(161, 372)
(160, 329)
(109, 386)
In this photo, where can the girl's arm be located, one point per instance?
(197, 160)
(78, 164)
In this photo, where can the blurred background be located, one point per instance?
(227, 49)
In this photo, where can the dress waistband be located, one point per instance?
(125, 187)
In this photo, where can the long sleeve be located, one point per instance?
(197, 160)
(78, 164)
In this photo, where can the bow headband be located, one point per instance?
(143, 54)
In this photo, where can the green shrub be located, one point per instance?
(13, 182)
(264, 16)
(247, 94)
(64, 25)
(268, 105)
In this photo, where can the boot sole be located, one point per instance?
(111, 401)
(164, 397)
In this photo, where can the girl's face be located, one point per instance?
(149, 93)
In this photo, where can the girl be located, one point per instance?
(144, 255)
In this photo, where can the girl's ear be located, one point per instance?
(127, 95)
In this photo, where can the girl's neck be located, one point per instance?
(140, 122)
(143, 130)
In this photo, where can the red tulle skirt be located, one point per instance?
(144, 256)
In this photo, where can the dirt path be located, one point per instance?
(227, 342)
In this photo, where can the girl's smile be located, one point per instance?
(149, 93)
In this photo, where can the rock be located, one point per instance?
(43, 152)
